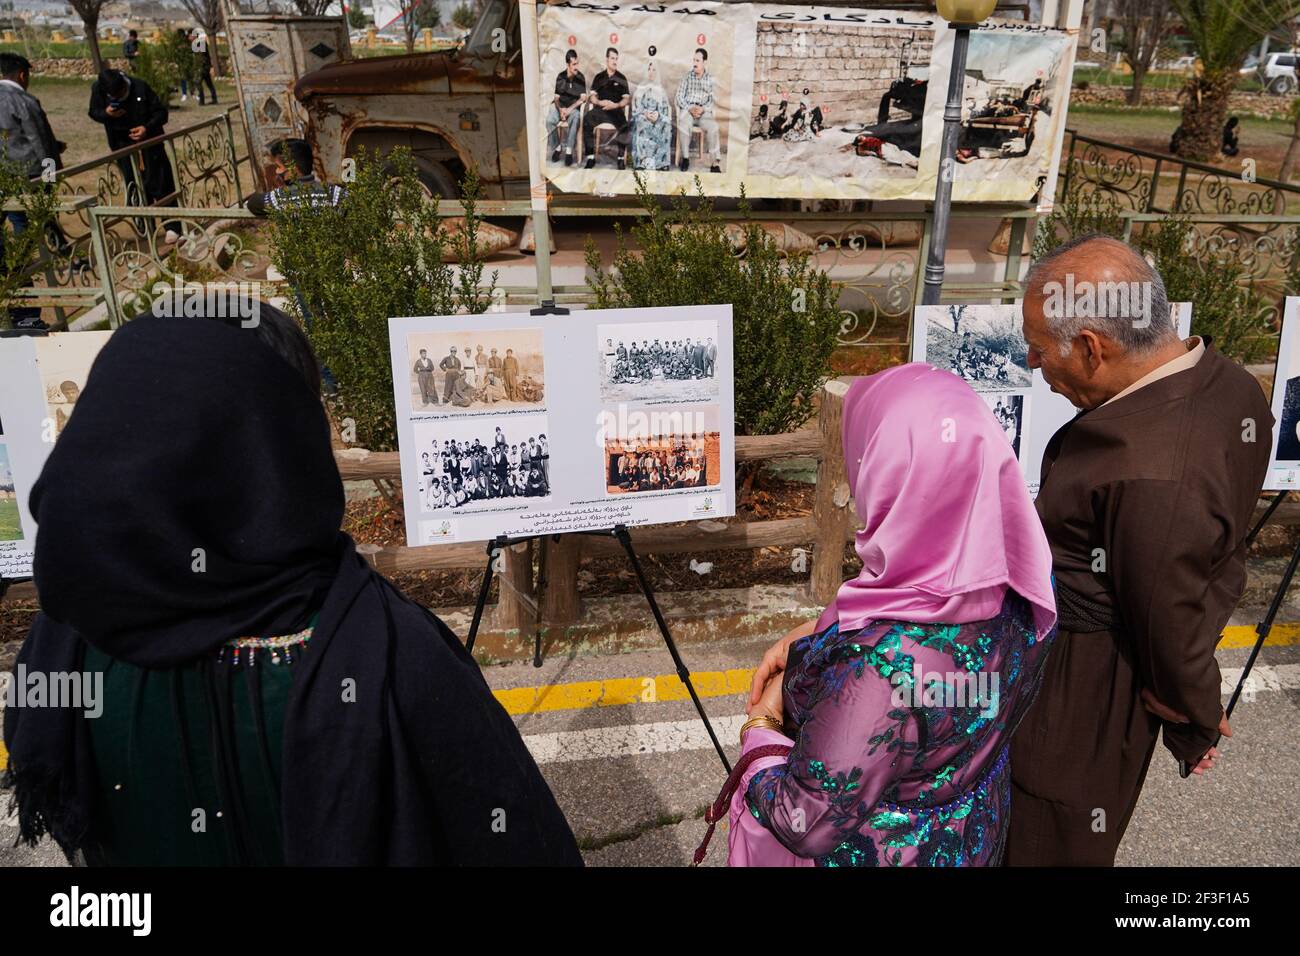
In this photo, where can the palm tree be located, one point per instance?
(1223, 32)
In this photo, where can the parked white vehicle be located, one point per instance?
(1277, 72)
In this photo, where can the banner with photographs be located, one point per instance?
(638, 427)
(984, 346)
(41, 378)
(795, 102)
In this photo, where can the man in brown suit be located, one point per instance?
(1146, 499)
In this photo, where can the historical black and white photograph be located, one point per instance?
(1009, 409)
(656, 450)
(497, 369)
(465, 462)
(64, 361)
(982, 344)
(838, 101)
(649, 361)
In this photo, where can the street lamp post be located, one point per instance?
(962, 16)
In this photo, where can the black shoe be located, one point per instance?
(555, 156)
(715, 168)
(622, 163)
(568, 159)
(684, 165)
(591, 163)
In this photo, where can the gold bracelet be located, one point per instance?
(763, 720)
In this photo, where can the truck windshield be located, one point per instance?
(480, 37)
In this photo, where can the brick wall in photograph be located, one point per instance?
(845, 68)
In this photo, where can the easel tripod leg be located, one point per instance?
(682, 672)
(482, 598)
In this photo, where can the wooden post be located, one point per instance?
(516, 595)
(831, 514)
(560, 572)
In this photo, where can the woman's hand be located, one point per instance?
(770, 703)
(773, 662)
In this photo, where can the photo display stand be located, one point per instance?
(522, 426)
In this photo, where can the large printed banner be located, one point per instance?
(516, 424)
(798, 102)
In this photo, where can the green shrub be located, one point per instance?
(377, 255)
(20, 250)
(785, 313)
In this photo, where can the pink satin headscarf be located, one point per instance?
(949, 524)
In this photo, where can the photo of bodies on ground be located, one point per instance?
(1009, 409)
(11, 528)
(477, 459)
(500, 369)
(649, 361)
(839, 101)
(982, 344)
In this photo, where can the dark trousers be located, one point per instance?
(205, 80)
(1080, 757)
(593, 118)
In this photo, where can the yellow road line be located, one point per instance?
(617, 691)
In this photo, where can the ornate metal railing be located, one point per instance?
(1142, 181)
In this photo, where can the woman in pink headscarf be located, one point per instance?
(900, 702)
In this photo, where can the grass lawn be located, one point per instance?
(66, 100)
(10, 530)
(1149, 128)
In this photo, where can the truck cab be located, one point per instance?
(452, 108)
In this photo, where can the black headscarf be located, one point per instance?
(193, 498)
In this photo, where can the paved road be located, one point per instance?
(633, 769)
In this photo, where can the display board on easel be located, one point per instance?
(1284, 460)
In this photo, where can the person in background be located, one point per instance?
(608, 102)
(901, 702)
(203, 65)
(27, 141)
(1231, 146)
(295, 186)
(257, 671)
(566, 106)
(131, 112)
(695, 106)
(131, 49)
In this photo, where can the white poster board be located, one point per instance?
(1284, 460)
(1030, 412)
(619, 416)
(41, 378)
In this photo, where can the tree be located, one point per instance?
(208, 15)
(1146, 25)
(463, 17)
(88, 10)
(313, 8)
(357, 18)
(1223, 32)
(428, 16)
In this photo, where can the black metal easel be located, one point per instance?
(1264, 627)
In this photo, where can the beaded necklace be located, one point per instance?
(278, 647)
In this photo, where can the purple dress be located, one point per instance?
(900, 751)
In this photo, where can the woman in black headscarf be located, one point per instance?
(267, 697)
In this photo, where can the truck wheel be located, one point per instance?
(1282, 85)
(437, 179)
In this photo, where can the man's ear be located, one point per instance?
(1093, 348)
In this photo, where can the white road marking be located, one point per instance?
(629, 740)
(670, 736)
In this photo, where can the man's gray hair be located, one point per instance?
(1131, 309)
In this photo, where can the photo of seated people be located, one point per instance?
(457, 473)
(673, 359)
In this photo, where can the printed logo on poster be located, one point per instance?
(704, 508)
(437, 531)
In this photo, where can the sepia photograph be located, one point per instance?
(497, 369)
(11, 528)
(853, 110)
(980, 343)
(656, 450)
(64, 361)
(658, 361)
(1009, 409)
(465, 462)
